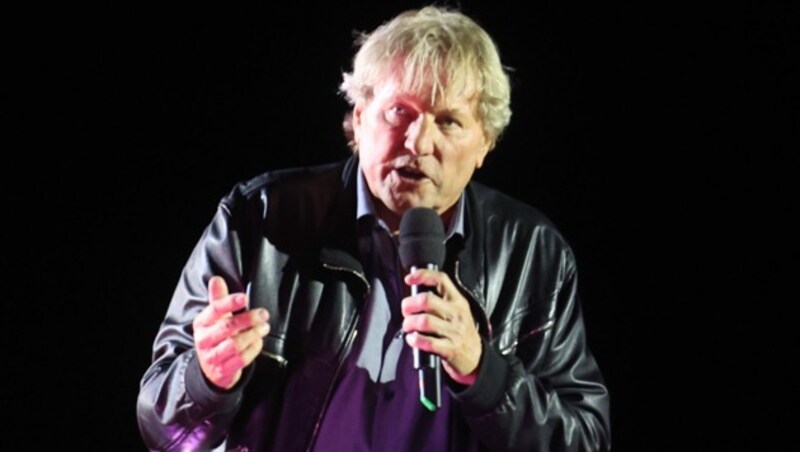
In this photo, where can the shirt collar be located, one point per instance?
(365, 208)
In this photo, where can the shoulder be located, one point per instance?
(296, 184)
(493, 206)
(507, 221)
(297, 181)
(292, 207)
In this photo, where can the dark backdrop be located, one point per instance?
(659, 138)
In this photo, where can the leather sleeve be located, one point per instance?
(177, 409)
(545, 394)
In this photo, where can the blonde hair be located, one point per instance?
(435, 48)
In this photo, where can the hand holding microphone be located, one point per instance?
(438, 320)
(422, 246)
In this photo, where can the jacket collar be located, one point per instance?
(340, 239)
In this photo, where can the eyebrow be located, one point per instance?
(453, 111)
(415, 100)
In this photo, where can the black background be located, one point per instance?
(660, 138)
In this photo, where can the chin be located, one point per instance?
(400, 201)
(400, 206)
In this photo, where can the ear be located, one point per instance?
(358, 110)
(487, 146)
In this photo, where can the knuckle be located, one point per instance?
(219, 371)
(424, 322)
(422, 300)
(232, 344)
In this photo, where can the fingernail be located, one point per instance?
(263, 314)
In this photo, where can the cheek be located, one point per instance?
(372, 158)
(462, 167)
(381, 142)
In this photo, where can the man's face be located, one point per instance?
(414, 154)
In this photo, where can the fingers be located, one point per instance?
(441, 303)
(220, 303)
(227, 373)
(426, 301)
(442, 323)
(229, 326)
(223, 362)
(429, 313)
(238, 348)
(227, 336)
(441, 283)
(460, 351)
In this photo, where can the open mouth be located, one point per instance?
(409, 173)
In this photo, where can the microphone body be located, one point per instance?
(428, 365)
(421, 245)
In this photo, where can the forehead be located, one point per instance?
(427, 95)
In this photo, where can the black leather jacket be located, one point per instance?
(289, 238)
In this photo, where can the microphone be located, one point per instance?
(422, 246)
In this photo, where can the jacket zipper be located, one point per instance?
(347, 347)
(282, 362)
(354, 332)
(351, 271)
(547, 325)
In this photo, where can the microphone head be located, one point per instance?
(421, 238)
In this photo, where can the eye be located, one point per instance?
(448, 122)
(397, 115)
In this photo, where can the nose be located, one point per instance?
(420, 135)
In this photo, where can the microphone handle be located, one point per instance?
(428, 365)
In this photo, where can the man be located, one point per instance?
(292, 326)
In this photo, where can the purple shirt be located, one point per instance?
(376, 406)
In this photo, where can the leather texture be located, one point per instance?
(288, 238)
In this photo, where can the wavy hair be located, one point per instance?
(434, 48)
